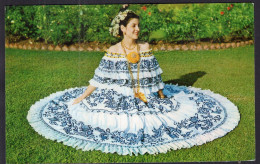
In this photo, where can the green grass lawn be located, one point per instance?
(33, 75)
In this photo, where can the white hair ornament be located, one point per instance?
(114, 29)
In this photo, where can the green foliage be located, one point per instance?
(95, 21)
(153, 22)
(20, 22)
(75, 23)
(157, 35)
(221, 22)
(65, 24)
(195, 22)
(58, 24)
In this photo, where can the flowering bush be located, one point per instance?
(221, 23)
(214, 22)
(65, 24)
(152, 22)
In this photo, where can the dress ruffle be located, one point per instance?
(113, 72)
(112, 120)
(187, 117)
(127, 91)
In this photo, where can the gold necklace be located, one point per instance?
(136, 91)
(128, 47)
(133, 57)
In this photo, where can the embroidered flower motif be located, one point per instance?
(194, 119)
(179, 131)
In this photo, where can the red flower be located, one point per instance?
(231, 5)
(144, 8)
(228, 8)
(222, 12)
(149, 13)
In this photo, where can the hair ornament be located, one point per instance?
(114, 29)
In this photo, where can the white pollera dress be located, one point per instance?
(112, 120)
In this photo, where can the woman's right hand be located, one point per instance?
(88, 91)
(77, 100)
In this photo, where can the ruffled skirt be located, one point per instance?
(111, 122)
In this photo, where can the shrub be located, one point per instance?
(95, 21)
(58, 24)
(221, 22)
(75, 23)
(66, 24)
(196, 22)
(20, 22)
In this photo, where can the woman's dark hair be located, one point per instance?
(126, 21)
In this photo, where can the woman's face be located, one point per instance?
(132, 29)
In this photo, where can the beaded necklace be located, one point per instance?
(128, 47)
(136, 91)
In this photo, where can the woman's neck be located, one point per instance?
(129, 42)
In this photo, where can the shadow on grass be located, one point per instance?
(188, 79)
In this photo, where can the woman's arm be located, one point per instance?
(88, 92)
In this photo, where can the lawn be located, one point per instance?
(33, 75)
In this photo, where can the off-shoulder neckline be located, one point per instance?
(146, 51)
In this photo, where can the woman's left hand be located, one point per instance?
(161, 95)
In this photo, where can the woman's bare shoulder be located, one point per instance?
(144, 46)
(113, 48)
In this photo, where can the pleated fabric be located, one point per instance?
(112, 120)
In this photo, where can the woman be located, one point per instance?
(129, 29)
(127, 108)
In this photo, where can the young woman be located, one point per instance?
(129, 30)
(128, 109)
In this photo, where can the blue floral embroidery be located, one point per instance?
(118, 102)
(144, 82)
(119, 66)
(209, 116)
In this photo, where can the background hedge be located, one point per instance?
(66, 24)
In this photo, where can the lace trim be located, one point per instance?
(45, 120)
(124, 75)
(127, 90)
(106, 63)
(118, 55)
